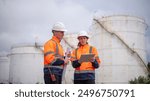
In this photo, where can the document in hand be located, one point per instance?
(86, 57)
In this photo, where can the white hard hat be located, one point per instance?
(59, 26)
(83, 33)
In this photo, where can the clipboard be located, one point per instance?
(86, 57)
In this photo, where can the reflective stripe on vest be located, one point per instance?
(76, 53)
(49, 66)
(84, 71)
(57, 51)
(47, 53)
(56, 54)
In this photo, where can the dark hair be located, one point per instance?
(79, 44)
(52, 31)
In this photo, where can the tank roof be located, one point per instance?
(27, 45)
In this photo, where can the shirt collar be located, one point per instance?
(55, 39)
(84, 45)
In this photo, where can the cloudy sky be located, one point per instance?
(22, 21)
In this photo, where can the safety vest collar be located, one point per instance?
(83, 46)
(55, 39)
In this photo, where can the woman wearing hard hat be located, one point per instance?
(84, 70)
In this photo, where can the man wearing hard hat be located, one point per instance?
(54, 56)
(84, 71)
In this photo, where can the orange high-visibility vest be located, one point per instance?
(76, 54)
(52, 51)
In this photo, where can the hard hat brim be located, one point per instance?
(83, 36)
(64, 30)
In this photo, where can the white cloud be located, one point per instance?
(22, 20)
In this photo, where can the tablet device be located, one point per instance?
(86, 57)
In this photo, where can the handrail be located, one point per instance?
(38, 47)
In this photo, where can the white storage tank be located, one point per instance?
(119, 40)
(4, 68)
(26, 64)
(69, 41)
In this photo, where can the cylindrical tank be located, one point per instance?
(119, 64)
(4, 68)
(69, 41)
(26, 64)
